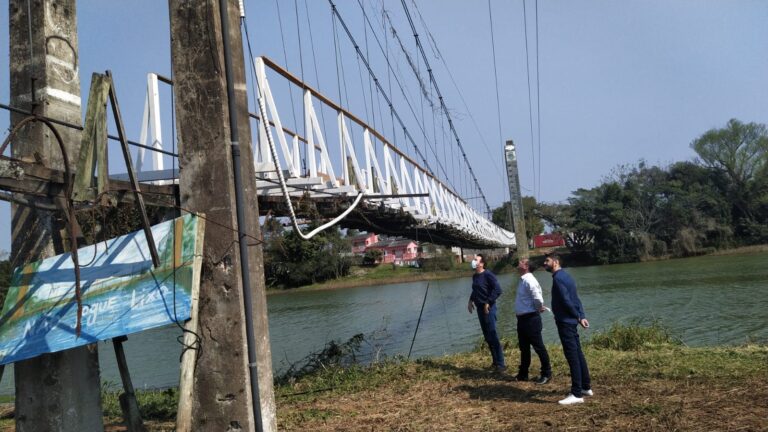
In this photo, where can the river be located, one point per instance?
(712, 300)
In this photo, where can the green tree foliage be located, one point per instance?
(5, 276)
(372, 256)
(640, 211)
(740, 152)
(290, 261)
(533, 223)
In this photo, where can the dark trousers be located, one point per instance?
(569, 337)
(488, 325)
(529, 333)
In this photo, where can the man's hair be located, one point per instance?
(482, 258)
(529, 264)
(554, 256)
(532, 266)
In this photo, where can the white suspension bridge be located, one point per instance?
(375, 184)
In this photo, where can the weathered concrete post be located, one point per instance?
(220, 397)
(516, 200)
(55, 392)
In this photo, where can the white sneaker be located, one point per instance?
(587, 392)
(570, 400)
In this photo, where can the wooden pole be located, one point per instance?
(128, 402)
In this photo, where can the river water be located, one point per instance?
(712, 300)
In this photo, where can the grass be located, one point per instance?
(153, 404)
(633, 336)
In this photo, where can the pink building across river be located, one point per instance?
(399, 251)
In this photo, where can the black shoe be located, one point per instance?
(521, 378)
(543, 380)
(500, 369)
(492, 366)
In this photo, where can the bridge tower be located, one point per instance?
(516, 200)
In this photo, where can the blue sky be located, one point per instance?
(619, 81)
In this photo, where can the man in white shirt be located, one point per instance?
(529, 304)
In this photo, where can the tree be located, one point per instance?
(578, 234)
(696, 205)
(5, 276)
(533, 223)
(292, 261)
(741, 152)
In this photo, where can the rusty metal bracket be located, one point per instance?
(65, 203)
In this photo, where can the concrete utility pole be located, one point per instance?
(516, 200)
(60, 391)
(221, 396)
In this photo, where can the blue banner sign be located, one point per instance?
(122, 293)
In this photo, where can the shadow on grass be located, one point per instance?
(504, 390)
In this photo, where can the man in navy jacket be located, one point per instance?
(569, 314)
(485, 291)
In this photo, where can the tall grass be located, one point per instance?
(153, 404)
(633, 336)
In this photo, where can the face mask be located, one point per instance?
(474, 264)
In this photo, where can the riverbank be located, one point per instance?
(643, 378)
(382, 275)
(651, 387)
(664, 388)
(386, 274)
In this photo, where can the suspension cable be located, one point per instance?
(285, 56)
(438, 54)
(397, 116)
(530, 103)
(538, 99)
(378, 84)
(445, 108)
(314, 62)
(498, 103)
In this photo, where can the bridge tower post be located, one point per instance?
(59, 391)
(220, 398)
(516, 200)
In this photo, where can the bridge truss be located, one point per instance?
(400, 197)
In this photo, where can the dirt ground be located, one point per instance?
(661, 389)
(499, 404)
(669, 389)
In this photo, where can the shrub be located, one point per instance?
(372, 257)
(438, 263)
(153, 404)
(633, 336)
